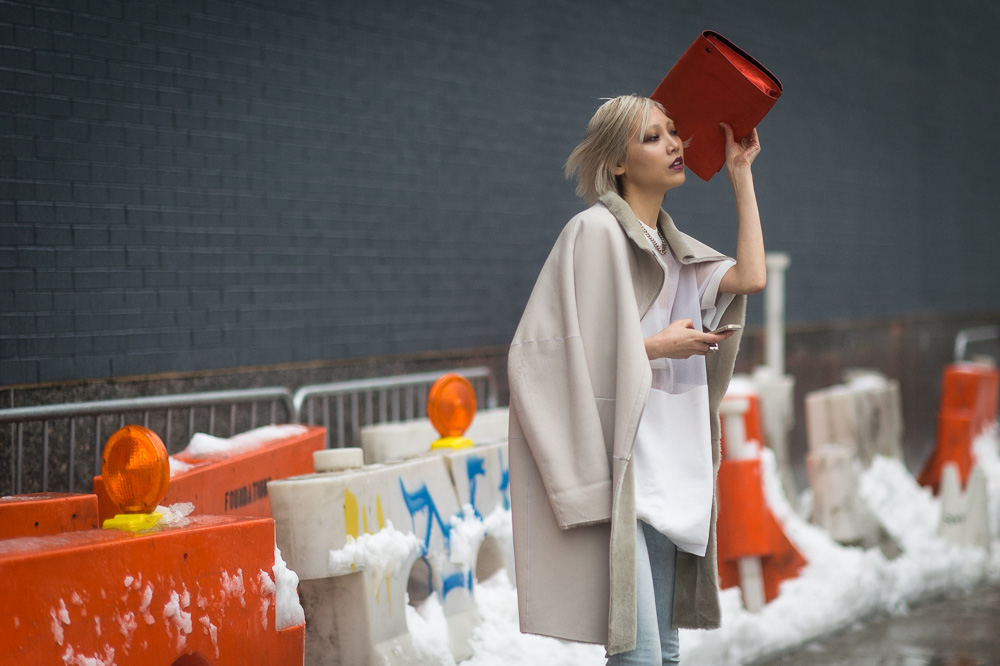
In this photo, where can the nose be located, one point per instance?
(674, 144)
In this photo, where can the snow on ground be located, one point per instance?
(841, 586)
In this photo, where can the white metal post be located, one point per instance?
(774, 305)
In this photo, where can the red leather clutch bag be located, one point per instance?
(715, 81)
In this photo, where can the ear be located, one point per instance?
(620, 169)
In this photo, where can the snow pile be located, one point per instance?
(175, 515)
(842, 585)
(838, 588)
(867, 380)
(232, 587)
(429, 631)
(267, 591)
(178, 466)
(466, 535)
(127, 626)
(382, 554)
(498, 641)
(59, 617)
(176, 618)
(212, 631)
(499, 526)
(203, 445)
(147, 598)
(288, 611)
(987, 456)
(73, 658)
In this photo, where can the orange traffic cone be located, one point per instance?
(969, 395)
(752, 428)
(753, 551)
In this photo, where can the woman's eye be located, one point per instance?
(673, 132)
(652, 137)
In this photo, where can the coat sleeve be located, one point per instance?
(553, 398)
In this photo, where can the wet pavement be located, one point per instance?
(953, 632)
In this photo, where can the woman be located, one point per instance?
(615, 389)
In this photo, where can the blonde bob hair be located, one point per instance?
(605, 144)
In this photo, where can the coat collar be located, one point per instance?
(686, 249)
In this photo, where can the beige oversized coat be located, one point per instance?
(579, 378)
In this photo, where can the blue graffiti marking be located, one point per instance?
(457, 580)
(474, 466)
(504, 483)
(419, 501)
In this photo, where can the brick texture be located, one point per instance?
(196, 184)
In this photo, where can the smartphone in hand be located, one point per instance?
(727, 328)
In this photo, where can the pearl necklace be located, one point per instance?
(660, 247)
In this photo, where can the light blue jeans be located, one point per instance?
(656, 641)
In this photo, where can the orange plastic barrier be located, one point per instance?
(751, 423)
(969, 394)
(41, 514)
(233, 484)
(202, 594)
(747, 528)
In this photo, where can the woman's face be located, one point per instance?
(655, 160)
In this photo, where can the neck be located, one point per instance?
(645, 205)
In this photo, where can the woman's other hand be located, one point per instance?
(740, 154)
(681, 340)
(749, 275)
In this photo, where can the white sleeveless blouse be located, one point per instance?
(672, 457)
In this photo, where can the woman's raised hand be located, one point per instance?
(681, 340)
(740, 153)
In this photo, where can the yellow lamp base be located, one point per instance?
(133, 522)
(452, 443)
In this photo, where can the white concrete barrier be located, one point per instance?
(964, 516)
(386, 442)
(848, 425)
(482, 478)
(362, 539)
(864, 414)
(833, 476)
(356, 610)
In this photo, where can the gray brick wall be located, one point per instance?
(203, 184)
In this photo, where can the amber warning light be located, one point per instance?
(136, 471)
(451, 406)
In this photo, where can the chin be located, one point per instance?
(676, 182)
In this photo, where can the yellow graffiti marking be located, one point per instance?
(351, 513)
(380, 517)
(351, 523)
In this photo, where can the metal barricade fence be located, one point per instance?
(343, 408)
(970, 336)
(57, 448)
(71, 434)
